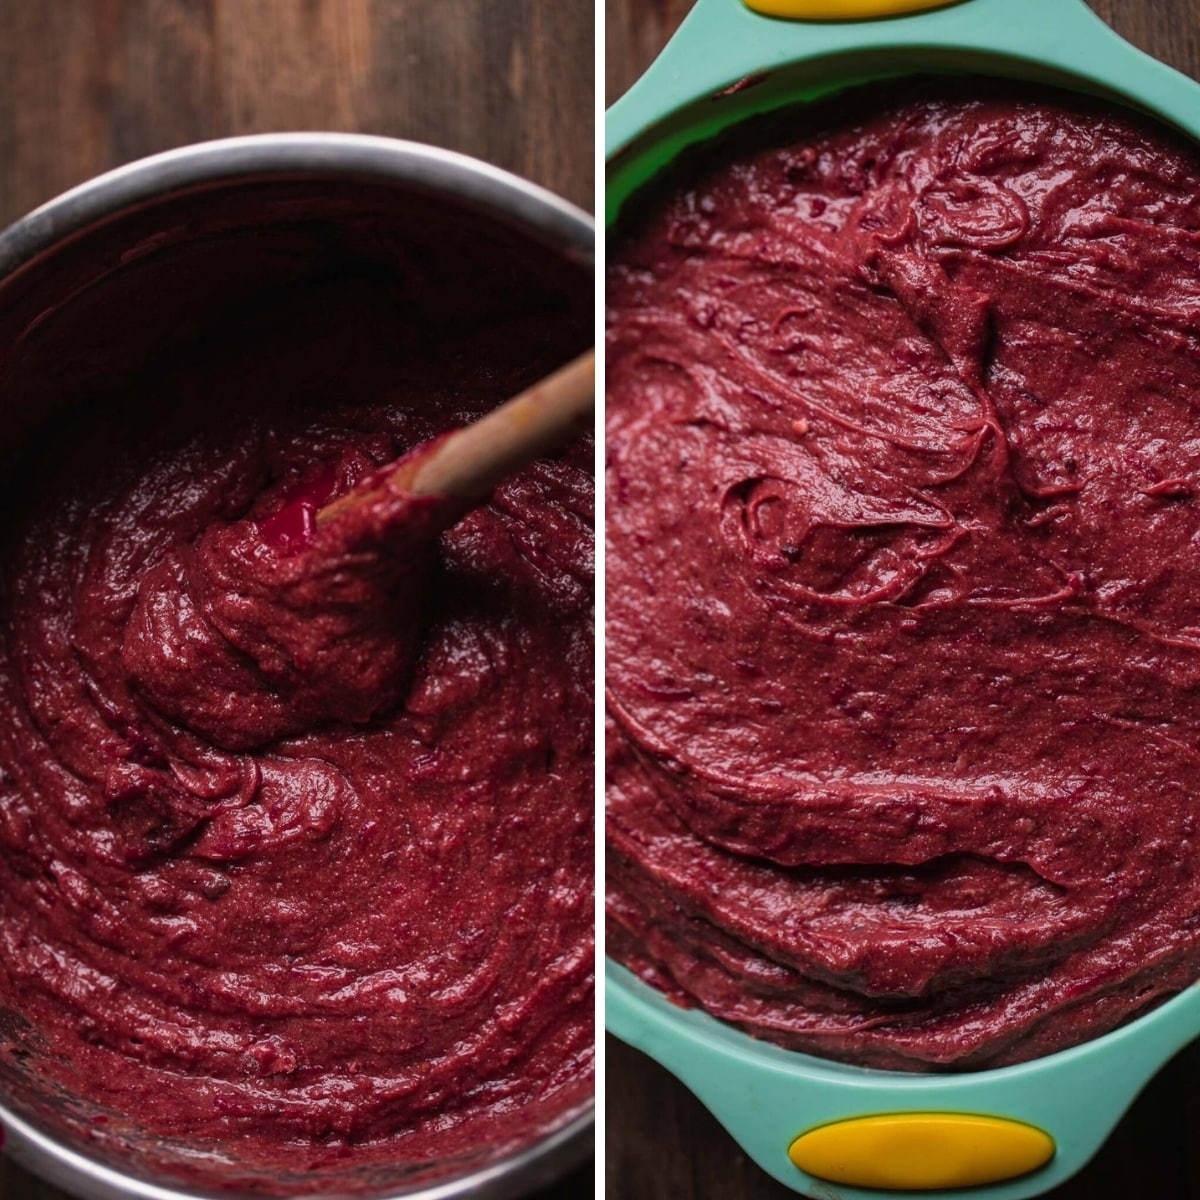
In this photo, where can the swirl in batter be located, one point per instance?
(903, 583)
(296, 826)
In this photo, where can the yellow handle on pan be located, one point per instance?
(921, 1151)
(842, 10)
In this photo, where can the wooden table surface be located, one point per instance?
(660, 1142)
(88, 84)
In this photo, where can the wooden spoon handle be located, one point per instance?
(469, 463)
(472, 461)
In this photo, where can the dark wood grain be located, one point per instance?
(660, 1141)
(86, 85)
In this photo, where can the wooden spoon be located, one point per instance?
(469, 463)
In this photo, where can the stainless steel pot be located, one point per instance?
(158, 220)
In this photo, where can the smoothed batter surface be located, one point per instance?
(296, 830)
(903, 594)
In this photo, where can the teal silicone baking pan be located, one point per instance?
(825, 1129)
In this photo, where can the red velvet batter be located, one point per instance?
(296, 827)
(903, 598)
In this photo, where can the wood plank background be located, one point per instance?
(660, 1141)
(86, 85)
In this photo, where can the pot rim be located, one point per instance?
(538, 1164)
(413, 166)
(430, 170)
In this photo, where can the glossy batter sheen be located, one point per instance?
(296, 825)
(903, 594)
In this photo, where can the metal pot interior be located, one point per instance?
(174, 272)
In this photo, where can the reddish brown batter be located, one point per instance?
(903, 583)
(296, 827)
